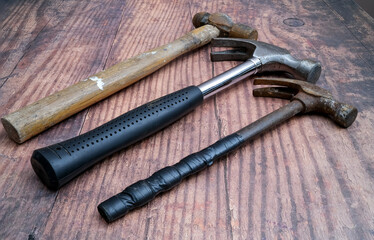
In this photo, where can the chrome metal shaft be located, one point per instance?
(230, 77)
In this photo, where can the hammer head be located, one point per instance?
(272, 58)
(314, 98)
(225, 25)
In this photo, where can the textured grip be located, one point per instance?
(59, 163)
(144, 191)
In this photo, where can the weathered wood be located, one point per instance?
(18, 29)
(306, 179)
(34, 77)
(32, 119)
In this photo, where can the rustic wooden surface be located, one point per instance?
(307, 179)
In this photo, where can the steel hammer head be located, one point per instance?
(225, 25)
(272, 58)
(314, 98)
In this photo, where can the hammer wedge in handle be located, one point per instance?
(41, 115)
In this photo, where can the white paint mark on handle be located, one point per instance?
(99, 82)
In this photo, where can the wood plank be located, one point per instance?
(292, 176)
(307, 179)
(18, 29)
(55, 59)
(357, 20)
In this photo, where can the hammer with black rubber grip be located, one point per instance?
(305, 97)
(59, 163)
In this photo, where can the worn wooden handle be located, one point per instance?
(37, 117)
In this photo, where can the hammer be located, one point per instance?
(59, 163)
(46, 112)
(305, 97)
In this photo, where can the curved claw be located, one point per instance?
(291, 83)
(229, 55)
(294, 84)
(314, 98)
(242, 50)
(232, 42)
(275, 92)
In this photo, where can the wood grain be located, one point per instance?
(34, 118)
(307, 179)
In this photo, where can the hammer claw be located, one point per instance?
(229, 55)
(276, 81)
(295, 84)
(314, 98)
(242, 50)
(229, 42)
(275, 92)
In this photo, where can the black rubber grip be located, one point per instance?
(59, 163)
(145, 190)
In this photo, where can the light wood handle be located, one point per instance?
(46, 112)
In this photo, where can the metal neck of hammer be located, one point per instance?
(271, 120)
(230, 77)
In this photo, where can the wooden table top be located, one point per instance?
(306, 179)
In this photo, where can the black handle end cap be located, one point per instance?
(43, 168)
(112, 209)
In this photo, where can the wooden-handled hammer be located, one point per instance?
(46, 112)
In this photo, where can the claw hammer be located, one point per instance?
(305, 97)
(46, 112)
(59, 163)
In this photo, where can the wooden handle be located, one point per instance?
(39, 116)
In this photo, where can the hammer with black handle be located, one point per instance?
(305, 97)
(39, 116)
(59, 163)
